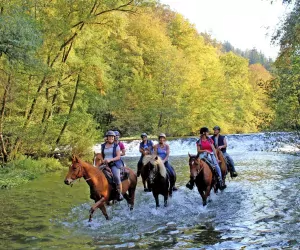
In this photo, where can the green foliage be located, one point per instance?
(285, 89)
(253, 55)
(24, 169)
(70, 70)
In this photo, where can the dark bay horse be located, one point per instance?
(158, 178)
(222, 164)
(203, 177)
(145, 171)
(101, 191)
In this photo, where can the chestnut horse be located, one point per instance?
(101, 191)
(159, 180)
(222, 164)
(203, 176)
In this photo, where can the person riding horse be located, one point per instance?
(121, 144)
(146, 147)
(220, 142)
(111, 154)
(206, 149)
(163, 151)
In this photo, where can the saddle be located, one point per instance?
(124, 174)
(211, 166)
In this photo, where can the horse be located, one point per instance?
(222, 164)
(145, 171)
(100, 190)
(158, 178)
(203, 177)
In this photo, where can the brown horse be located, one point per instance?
(203, 177)
(101, 191)
(222, 164)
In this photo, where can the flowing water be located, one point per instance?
(258, 210)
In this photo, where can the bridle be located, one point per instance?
(192, 163)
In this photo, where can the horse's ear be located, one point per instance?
(75, 158)
(156, 158)
(189, 154)
(198, 155)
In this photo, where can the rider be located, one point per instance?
(206, 149)
(144, 145)
(111, 154)
(220, 142)
(163, 151)
(117, 141)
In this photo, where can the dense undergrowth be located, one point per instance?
(24, 169)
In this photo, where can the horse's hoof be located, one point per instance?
(131, 208)
(90, 220)
(106, 217)
(204, 203)
(146, 190)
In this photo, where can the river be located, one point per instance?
(260, 209)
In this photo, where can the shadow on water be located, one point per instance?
(258, 210)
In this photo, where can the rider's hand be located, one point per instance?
(207, 151)
(107, 161)
(220, 147)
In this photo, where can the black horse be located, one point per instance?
(158, 177)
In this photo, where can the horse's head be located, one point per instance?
(195, 167)
(156, 167)
(98, 160)
(75, 171)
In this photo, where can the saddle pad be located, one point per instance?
(124, 174)
(212, 167)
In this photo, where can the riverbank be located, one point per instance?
(25, 169)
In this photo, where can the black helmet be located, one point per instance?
(217, 128)
(204, 130)
(162, 135)
(110, 133)
(144, 134)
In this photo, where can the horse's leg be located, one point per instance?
(156, 199)
(127, 198)
(103, 209)
(166, 200)
(131, 192)
(149, 185)
(144, 183)
(203, 196)
(94, 207)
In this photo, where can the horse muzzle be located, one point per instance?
(68, 181)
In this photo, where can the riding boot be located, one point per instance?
(221, 184)
(233, 174)
(190, 184)
(119, 192)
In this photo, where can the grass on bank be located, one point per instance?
(25, 169)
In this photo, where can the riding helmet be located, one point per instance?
(162, 135)
(204, 130)
(117, 133)
(110, 133)
(144, 134)
(217, 128)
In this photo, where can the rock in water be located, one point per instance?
(171, 225)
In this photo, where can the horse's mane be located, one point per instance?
(156, 161)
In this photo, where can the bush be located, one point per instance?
(24, 169)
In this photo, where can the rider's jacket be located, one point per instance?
(148, 145)
(219, 141)
(118, 163)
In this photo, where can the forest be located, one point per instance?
(70, 70)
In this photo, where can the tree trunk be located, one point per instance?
(70, 111)
(4, 101)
